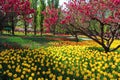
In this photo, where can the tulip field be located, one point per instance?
(59, 39)
(63, 60)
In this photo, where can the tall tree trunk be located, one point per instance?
(25, 24)
(13, 27)
(1, 32)
(35, 25)
(41, 31)
(35, 29)
(54, 28)
(42, 8)
(34, 4)
(13, 22)
(41, 24)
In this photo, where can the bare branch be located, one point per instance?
(115, 48)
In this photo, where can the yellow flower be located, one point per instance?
(26, 76)
(43, 72)
(4, 72)
(92, 78)
(10, 74)
(28, 70)
(59, 78)
(13, 66)
(77, 74)
(39, 79)
(93, 75)
(50, 75)
(42, 78)
(71, 72)
(38, 73)
(85, 78)
(118, 79)
(118, 74)
(67, 78)
(113, 66)
(22, 76)
(33, 68)
(15, 75)
(48, 72)
(9, 66)
(53, 78)
(105, 78)
(32, 74)
(0, 66)
(39, 68)
(13, 62)
(110, 75)
(93, 70)
(63, 72)
(30, 78)
(24, 72)
(17, 78)
(98, 77)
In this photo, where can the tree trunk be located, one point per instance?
(13, 25)
(41, 23)
(25, 28)
(41, 31)
(76, 37)
(54, 32)
(1, 32)
(107, 49)
(13, 28)
(34, 28)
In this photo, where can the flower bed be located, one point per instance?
(66, 62)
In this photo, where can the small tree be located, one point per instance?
(26, 12)
(42, 8)
(53, 5)
(79, 14)
(51, 18)
(14, 8)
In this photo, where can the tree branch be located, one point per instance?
(115, 48)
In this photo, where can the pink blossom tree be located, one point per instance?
(14, 8)
(79, 14)
(51, 18)
(25, 12)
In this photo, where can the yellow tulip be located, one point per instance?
(59, 78)
(22, 76)
(0, 66)
(30, 78)
(17, 78)
(10, 74)
(15, 75)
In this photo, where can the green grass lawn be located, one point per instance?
(31, 42)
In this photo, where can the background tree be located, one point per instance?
(34, 5)
(51, 17)
(42, 8)
(2, 16)
(53, 4)
(26, 12)
(12, 9)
